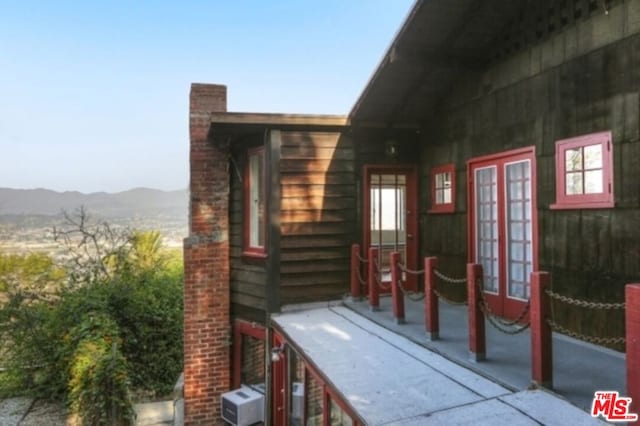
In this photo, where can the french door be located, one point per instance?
(503, 227)
(390, 217)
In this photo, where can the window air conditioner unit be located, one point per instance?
(297, 401)
(243, 407)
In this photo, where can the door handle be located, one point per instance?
(410, 236)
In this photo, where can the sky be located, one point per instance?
(94, 94)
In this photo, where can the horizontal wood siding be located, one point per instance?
(248, 278)
(317, 215)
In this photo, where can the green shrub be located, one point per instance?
(99, 384)
(49, 344)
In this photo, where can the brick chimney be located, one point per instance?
(207, 326)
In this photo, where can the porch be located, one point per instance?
(579, 368)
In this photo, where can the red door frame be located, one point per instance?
(502, 304)
(412, 211)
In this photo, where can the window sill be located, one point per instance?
(583, 205)
(254, 256)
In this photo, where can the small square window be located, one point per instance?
(443, 185)
(584, 172)
(254, 204)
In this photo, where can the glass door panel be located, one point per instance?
(388, 210)
(519, 229)
(487, 226)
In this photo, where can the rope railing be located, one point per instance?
(510, 327)
(449, 280)
(587, 304)
(411, 295)
(378, 274)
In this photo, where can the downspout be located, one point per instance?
(268, 382)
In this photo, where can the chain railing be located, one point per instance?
(378, 274)
(411, 295)
(587, 304)
(449, 280)
(510, 327)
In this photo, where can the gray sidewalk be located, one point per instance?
(579, 369)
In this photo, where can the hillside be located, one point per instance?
(27, 216)
(134, 203)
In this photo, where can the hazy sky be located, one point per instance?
(94, 95)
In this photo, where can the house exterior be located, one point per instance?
(499, 132)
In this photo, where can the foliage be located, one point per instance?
(99, 384)
(115, 286)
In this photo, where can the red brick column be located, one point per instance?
(431, 313)
(477, 339)
(541, 342)
(207, 326)
(632, 325)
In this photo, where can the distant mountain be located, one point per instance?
(134, 203)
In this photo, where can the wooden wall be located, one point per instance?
(317, 215)
(248, 277)
(582, 79)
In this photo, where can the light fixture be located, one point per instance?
(276, 352)
(391, 148)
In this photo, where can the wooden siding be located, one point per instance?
(317, 215)
(248, 277)
(592, 253)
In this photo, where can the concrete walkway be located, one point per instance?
(390, 380)
(579, 368)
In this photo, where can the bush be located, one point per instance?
(99, 384)
(61, 346)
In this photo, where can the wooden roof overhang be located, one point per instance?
(237, 125)
(439, 43)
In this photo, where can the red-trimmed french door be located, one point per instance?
(391, 216)
(503, 226)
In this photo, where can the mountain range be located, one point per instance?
(134, 203)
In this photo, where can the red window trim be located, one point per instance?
(248, 250)
(585, 201)
(327, 391)
(443, 207)
(243, 328)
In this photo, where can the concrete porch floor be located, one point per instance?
(579, 368)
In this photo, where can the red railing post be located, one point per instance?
(541, 341)
(355, 267)
(372, 273)
(397, 296)
(431, 314)
(632, 336)
(477, 340)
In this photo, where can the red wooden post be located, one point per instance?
(397, 296)
(632, 324)
(372, 273)
(431, 314)
(541, 342)
(477, 340)
(355, 266)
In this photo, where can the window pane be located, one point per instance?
(296, 391)
(447, 195)
(593, 156)
(314, 402)
(256, 201)
(574, 183)
(593, 182)
(338, 416)
(573, 159)
(439, 196)
(439, 180)
(252, 368)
